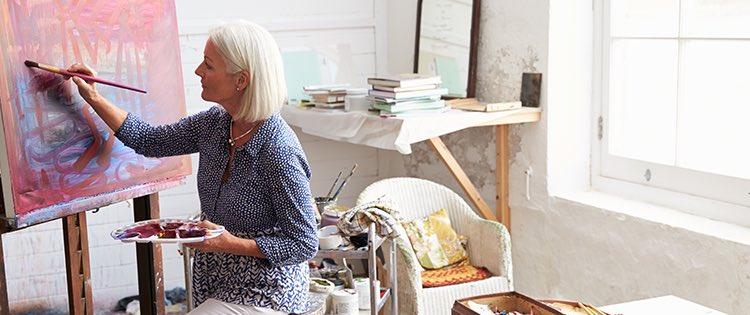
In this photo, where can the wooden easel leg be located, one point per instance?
(501, 175)
(4, 307)
(76, 241)
(149, 260)
(463, 180)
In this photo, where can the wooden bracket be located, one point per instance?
(463, 180)
(501, 175)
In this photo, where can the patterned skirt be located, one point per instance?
(247, 280)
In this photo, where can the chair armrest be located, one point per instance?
(489, 246)
(409, 277)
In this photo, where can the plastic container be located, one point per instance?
(344, 302)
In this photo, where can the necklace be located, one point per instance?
(233, 141)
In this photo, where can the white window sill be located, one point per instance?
(658, 214)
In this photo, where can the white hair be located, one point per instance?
(250, 47)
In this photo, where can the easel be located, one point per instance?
(78, 269)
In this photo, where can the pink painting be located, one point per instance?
(57, 156)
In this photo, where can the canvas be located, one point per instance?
(57, 156)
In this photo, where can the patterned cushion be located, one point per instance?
(434, 241)
(453, 275)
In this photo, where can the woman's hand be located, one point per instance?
(85, 88)
(226, 243)
(221, 243)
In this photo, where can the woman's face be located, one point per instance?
(218, 85)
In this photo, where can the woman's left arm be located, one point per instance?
(288, 177)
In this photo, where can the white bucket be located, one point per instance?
(344, 302)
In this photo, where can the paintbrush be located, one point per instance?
(333, 185)
(34, 64)
(344, 181)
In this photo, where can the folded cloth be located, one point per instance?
(357, 220)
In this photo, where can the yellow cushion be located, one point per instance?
(434, 241)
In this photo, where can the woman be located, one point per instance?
(253, 177)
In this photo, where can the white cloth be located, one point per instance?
(386, 133)
(216, 307)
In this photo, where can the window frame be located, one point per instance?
(714, 196)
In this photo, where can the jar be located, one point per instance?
(321, 203)
(330, 217)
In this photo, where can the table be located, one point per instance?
(668, 304)
(399, 133)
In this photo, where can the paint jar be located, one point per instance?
(321, 203)
(344, 302)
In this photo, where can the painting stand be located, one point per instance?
(149, 260)
(78, 269)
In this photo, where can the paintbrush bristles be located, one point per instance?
(30, 63)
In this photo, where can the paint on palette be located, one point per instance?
(58, 157)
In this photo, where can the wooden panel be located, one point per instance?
(192, 11)
(4, 308)
(78, 271)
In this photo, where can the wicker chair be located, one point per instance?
(489, 244)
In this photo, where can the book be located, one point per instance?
(406, 106)
(471, 104)
(416, 112)
(405, 89)
(326, 87)
(405, 80)
(393, 100)
(329, 105)
(409, 94)
(327, 98)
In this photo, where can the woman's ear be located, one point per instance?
(243, 80)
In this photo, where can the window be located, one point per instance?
(675, 99)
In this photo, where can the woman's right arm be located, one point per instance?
(112, 115)
(151, 141)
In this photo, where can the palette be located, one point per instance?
(165, 231)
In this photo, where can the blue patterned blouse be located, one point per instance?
(266, 197)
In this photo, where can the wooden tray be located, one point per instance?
(576, 308)
(508, 301)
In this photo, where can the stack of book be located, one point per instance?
(407, 95)
(329, 96)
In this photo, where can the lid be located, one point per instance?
(332, 213)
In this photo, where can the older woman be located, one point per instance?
(253, 177)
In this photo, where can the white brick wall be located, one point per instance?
(346, 30)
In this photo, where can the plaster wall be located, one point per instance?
(569, 242)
